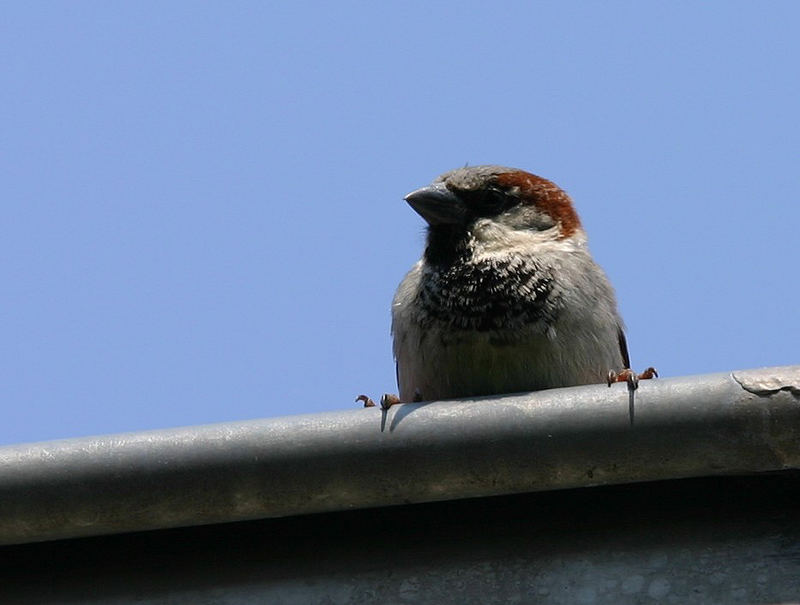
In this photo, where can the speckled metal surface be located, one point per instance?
(578, 437)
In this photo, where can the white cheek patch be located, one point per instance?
(493, 237)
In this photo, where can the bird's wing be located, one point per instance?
(623, 348)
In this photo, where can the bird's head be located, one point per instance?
(508, 196)
(497, 205)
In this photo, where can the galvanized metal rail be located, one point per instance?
(729, 423)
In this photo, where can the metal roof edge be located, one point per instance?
(728, 423)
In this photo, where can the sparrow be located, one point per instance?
(506, 297)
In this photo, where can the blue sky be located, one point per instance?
(203, 214)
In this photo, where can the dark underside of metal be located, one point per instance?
(705, 540)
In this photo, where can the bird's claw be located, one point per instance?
(388, 400)
(648, 374)
(368, 403)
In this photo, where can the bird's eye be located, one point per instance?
(489, 201)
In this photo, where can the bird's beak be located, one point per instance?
(437, 205)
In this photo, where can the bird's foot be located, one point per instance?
(631, 377)
(387, 400)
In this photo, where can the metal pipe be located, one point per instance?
(729, 423)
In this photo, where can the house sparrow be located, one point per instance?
(506, 297)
